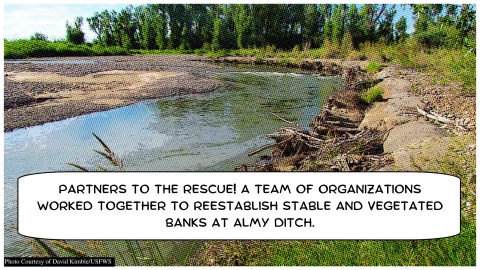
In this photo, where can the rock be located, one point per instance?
(471, 147)
(422, 155)
(409, 133)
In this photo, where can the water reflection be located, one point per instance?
(198, 132)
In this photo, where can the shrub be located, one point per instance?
(372, 95)
(331, 49)
(40, 48)
(356, 55)
(373, 67)
(285, 62)
(270, 51)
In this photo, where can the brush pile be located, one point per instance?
(334, 143)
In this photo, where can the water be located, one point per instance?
(211, 132)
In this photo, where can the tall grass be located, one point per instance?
(457, 250)
(452, 65)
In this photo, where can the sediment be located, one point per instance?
(323, 67)
(39, 93)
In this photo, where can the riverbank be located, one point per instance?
(53, 89)
(409, 111)
(414, 126)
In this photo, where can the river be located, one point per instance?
(211, 132)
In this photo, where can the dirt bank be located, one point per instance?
(404, 131)
(323, 67)
(36, 93)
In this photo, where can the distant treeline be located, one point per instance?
(240, 26)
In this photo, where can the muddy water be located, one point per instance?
(189, 133)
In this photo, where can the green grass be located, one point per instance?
(452, 251)
(373, 67)
(453, 66)
(372, 95)
(285, 62)
(456, 250)
(19, 49)
(161, 52)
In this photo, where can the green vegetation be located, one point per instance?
(373, 94)
(452, 251)
(373, 67)
(18, 49)
(38, 36)
(74, 33)
(126, 252)
(443, 43)
(452, 66)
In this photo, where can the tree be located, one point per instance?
(75, 33)
(143, 27)
(95, 24)
(311, 28)
(187, 34)
(176, 13)
(371, 16)
(401, 30)
(39, 36)
(467, 21)
(385, 26)
(217, 32)
(338, 23)
(243, 24)
(222, 37)
(103, 25)
(159, 24)
(354, 25)
(347, 44)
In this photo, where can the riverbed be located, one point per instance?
(211, 131)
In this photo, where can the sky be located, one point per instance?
(23, 20)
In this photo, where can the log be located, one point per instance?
(281, 118)
(303, 135)
(332, 115)
(340, 129)
(433, 117)
(279, 135)
(262, 148)
(341, 124)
